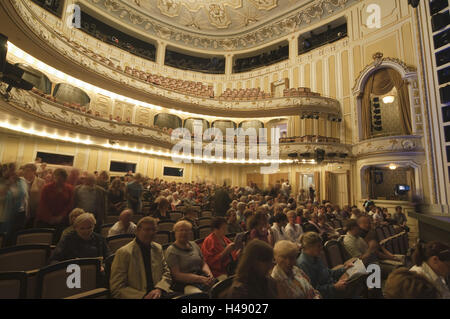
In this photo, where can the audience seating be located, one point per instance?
(111, 219)
(52, 280)
(199, 295)
(24, 257)
(2, 239)
(206, 213)
(13, 285)
(35, 236)
(219, 290)
(333, 253)
(105, 229)
(166, 225)
(108, 263)
(175, 216)
(324, 258)
(115, 242)
(99, 293)
(203, 231)
(163, 237)
(136, 217)
(298, 92)
(244, 95)
(204, 221)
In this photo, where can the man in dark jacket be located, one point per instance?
(222, 201)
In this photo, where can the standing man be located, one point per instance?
(134, 192)
(35, 185)
(222, 201)
(92, 199)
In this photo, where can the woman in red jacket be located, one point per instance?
(218, 251)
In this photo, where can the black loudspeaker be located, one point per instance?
(306, 155)
(343, 155)
(292, 154)
(331, 154)
(377, 122)
(320, 155)
(377, 111)
(414, 3)
(377, 117)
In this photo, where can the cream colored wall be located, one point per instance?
(23, 149)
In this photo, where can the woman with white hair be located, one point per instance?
(81, 243)
(294, 281)
(176, 200)
(190, 272)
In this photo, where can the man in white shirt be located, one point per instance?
(124, 225)
(292, 230)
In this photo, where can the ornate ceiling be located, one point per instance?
(218, 24)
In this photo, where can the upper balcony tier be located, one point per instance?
(52, 45)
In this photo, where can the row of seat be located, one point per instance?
(244, 94)
(309, 139)
(297, 92)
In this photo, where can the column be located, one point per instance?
(293, 49)
(228, 64)
(160, 53)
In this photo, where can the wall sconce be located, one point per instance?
(388, 99)
(392, 166)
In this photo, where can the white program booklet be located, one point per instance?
(357, 269)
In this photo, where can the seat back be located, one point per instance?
(2, 239)
(396, 245)
(206, 213)
(219, 290)
(198, 295)
(52, 280)
(166, 225)
(204, 231)
(105, 230)
(324, 258)
(204, 221)
(392, 231)
(13, 285)
(111, 219)
(175, 216)
(162, 237)
(333, 253)
(24, 257)
(380, 234)
(115, 242)
(35, 236)
(108, 263)
(136, 217)
(386, 232)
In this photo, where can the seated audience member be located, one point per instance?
(190, 272)
(278, 227)
(326, 229)
(357, 247)
(405, 284)
(233, 224)
(116, 197)
(247, 215)
(190, 215)
(141, 256)
(72, 216)
(291, 278)
(330, 283)
(356, 213)
(388, 261)
(400, 218)
(312, 224)
(81, 243)
(91, 198)
(378, 217)
(240, 212)
(219, 251)
(253, 280)
(56, 203)
(124, 225)
(162, 209)
(258, 226)
(292, 230)
(433, 261)
(175, 201)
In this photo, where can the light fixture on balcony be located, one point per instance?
(392, 166)
(388, 99)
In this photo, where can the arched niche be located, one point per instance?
(384, 75)
(39, 80)
(65, 92)
(189, 124)
(251, 124)
(167, 120)
(223, 125)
